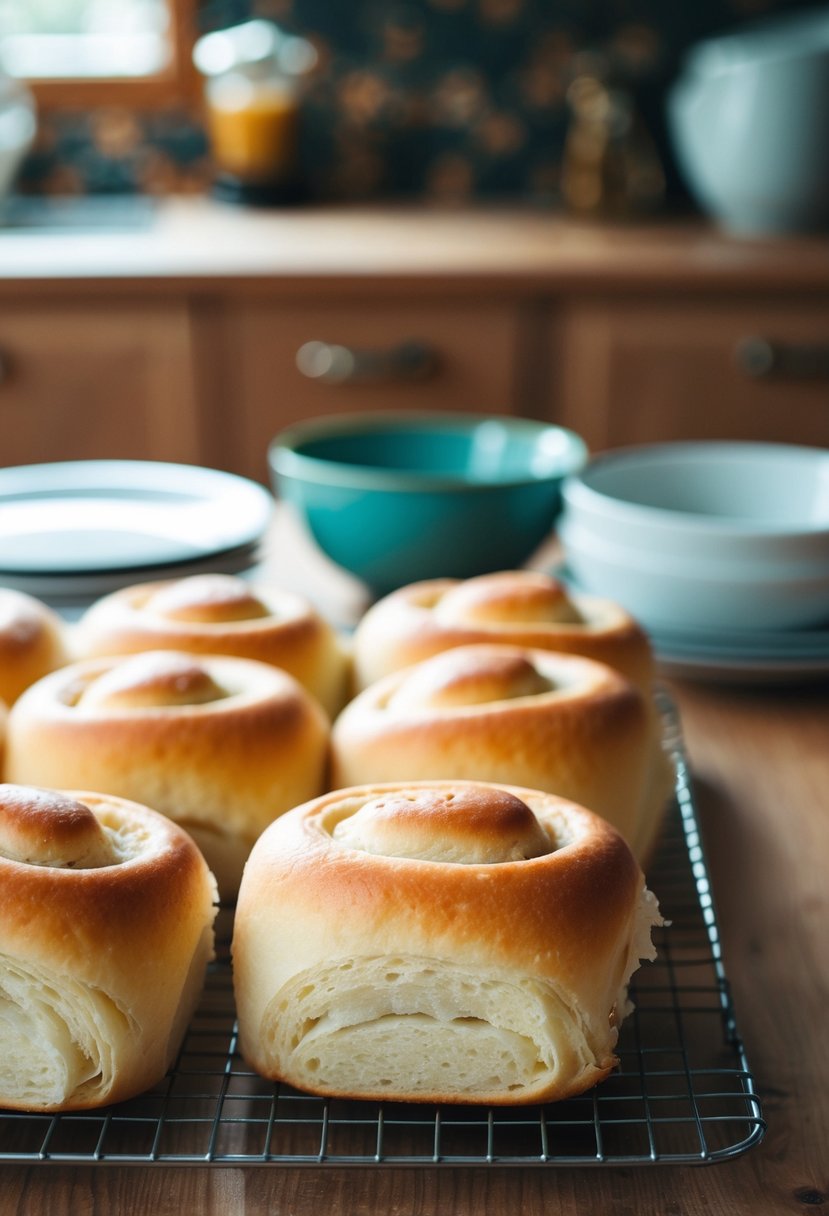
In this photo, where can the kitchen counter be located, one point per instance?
(202, 243)
(761, 773)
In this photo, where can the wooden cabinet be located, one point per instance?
(181, 343)
(641, 371)
(394, 354)
(97, 379)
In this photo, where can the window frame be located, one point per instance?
(177, 84)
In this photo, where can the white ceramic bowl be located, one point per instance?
(713, 535)
(749, 120)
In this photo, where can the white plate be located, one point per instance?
(782, 644)
(750, 657)
(801, 654)
(91, 518)
(731, 656)
(743, 671)
(72, 594)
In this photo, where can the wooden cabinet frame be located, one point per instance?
(177, 85)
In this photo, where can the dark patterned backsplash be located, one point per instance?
(442, 100)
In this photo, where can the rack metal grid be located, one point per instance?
(682, 1094)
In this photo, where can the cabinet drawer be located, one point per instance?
(639, 372)
(102, 380)
(469, 362)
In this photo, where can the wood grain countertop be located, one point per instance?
(201, 244)
(760, 761)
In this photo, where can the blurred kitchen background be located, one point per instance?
(446, 100)
(224, 216)
(221, 218)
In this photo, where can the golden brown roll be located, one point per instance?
(221, 745)
(534, 718)
(519, 607)
(106, 928)
(33, 642)
(438, 942)
(221, 614)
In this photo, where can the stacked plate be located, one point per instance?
(73, 531)
(764, 656)
(721, 550)
(760, 656)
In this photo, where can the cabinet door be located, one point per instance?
(471, 362)
(637, 372)
(96, 380)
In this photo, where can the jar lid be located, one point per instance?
(251, 44)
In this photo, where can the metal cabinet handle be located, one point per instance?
(329, 363)
(764, 358)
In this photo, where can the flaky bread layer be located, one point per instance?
(343, 949)
(106, 928)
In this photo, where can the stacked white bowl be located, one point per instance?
(708, 535)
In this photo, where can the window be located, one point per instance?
(88, 51)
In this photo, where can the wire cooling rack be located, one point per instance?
(682, 1094)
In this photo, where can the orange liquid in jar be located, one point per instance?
(253, 132)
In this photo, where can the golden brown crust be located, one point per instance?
(219, 744)
(561, 923)
(534, 718)
(522, 607)
(75, 838)
(221, 614)
(32, 642)
(127, 932)
(543, 913)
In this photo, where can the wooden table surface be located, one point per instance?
(760, 759)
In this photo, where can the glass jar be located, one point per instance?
(254, 74)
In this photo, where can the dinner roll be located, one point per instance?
(106, 928)
(32, 642)
(219, 744)
(438, 942)
(221, 614)
(521, 607)
(548, 721)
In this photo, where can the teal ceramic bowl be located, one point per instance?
(398, 497)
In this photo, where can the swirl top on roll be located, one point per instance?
(221, 614)
(519, 607)
(76, 840)
(221, 745)
(534, 718)
(162, 679)
(105, 933)
(32, 642)
(466, 826)
(438, 941)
